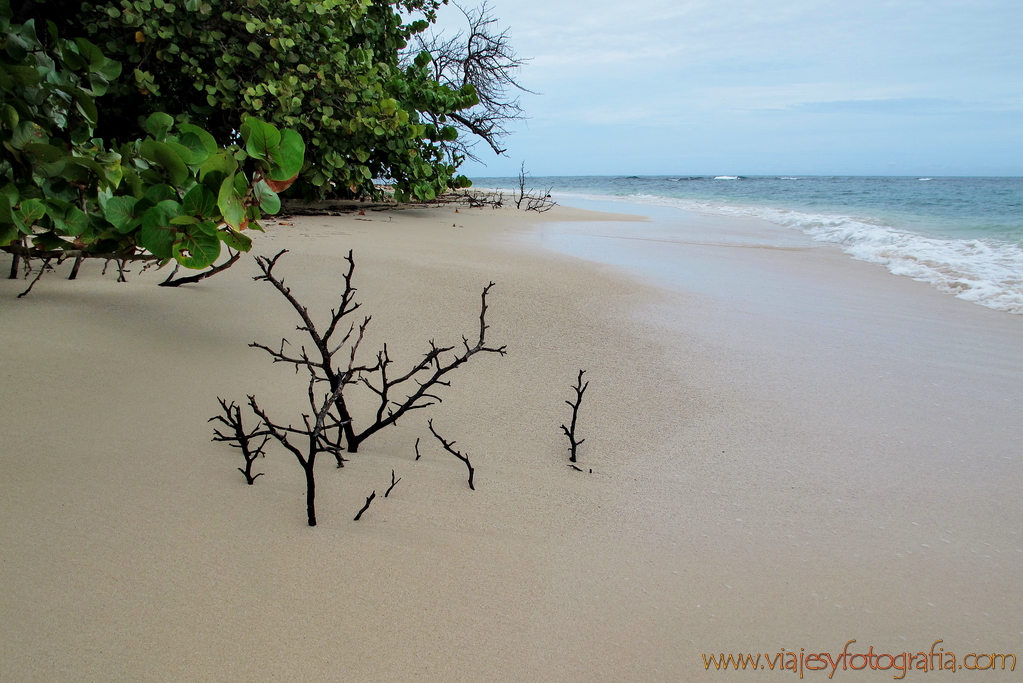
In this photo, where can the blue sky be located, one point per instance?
(747, 87)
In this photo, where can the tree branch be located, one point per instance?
(570, 431)
(449, 447)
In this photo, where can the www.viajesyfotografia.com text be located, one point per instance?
(934, 659)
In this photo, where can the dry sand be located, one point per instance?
(815, 453)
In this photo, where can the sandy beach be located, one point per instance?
(790, 450)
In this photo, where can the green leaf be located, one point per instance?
(158, 193)
(110, 70)
(199, 201)
(120, 212)
(268, 200)
(208, 227)
(194, 144)
(9, 116)
(49, 241)
(222, 161)
(262, 140)
(158, 124)
(23, 134)
(30, 211)
(207, 140)
(157, 235)
(162, 154)
(75, 222)
(87, 163)
(288, 157)
(8, 233)
(235, 240)
(46, 154)
(230, 204)
(182, 152)
(197, 250)
(90, 52)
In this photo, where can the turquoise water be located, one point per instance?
(963, 235)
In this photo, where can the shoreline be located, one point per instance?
(744, 442)
(970, 250)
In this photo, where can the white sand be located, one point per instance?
(826, 453)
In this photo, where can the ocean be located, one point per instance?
(962, 235)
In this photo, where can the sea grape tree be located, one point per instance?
(172, 195)
(327, 68)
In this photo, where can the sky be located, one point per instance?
(752, 87)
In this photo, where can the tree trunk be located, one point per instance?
(310, 493)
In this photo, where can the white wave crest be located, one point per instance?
(984, 271)
(726, 177)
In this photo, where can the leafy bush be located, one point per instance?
(174, 194)
(328, 68)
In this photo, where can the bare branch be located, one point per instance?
(481, 57)
(449, 447)
(366, 506)
(393, 483)
(535, 201)
(241, 439)
(171, 282)
(432, 364)
(570, 431)
(328, 427)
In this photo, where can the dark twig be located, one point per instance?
(448, 446)
(42, 269)
(481, 57)
(241, 439)
(427, 374)
(74, 268)
(393, 482)
(422, 380)
(332, 366)
(366, 506)
(417, 448)
(535, 201)
(170, 282)
(570, 431)
(320, 437)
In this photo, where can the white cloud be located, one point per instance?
(685, 66)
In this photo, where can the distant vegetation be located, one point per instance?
(160, 130)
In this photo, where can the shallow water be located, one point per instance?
(962, 235)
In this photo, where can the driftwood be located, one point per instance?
(570, 431)
(393, 483)
(365, 507)
(448, 446)
(539, 201)
(25, 254)
(241, 439)
(421, 381)
(330, 360)
(321, 433)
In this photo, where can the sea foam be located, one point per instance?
(985, 271)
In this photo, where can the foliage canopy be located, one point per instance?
(174, 194)
(329, 69)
